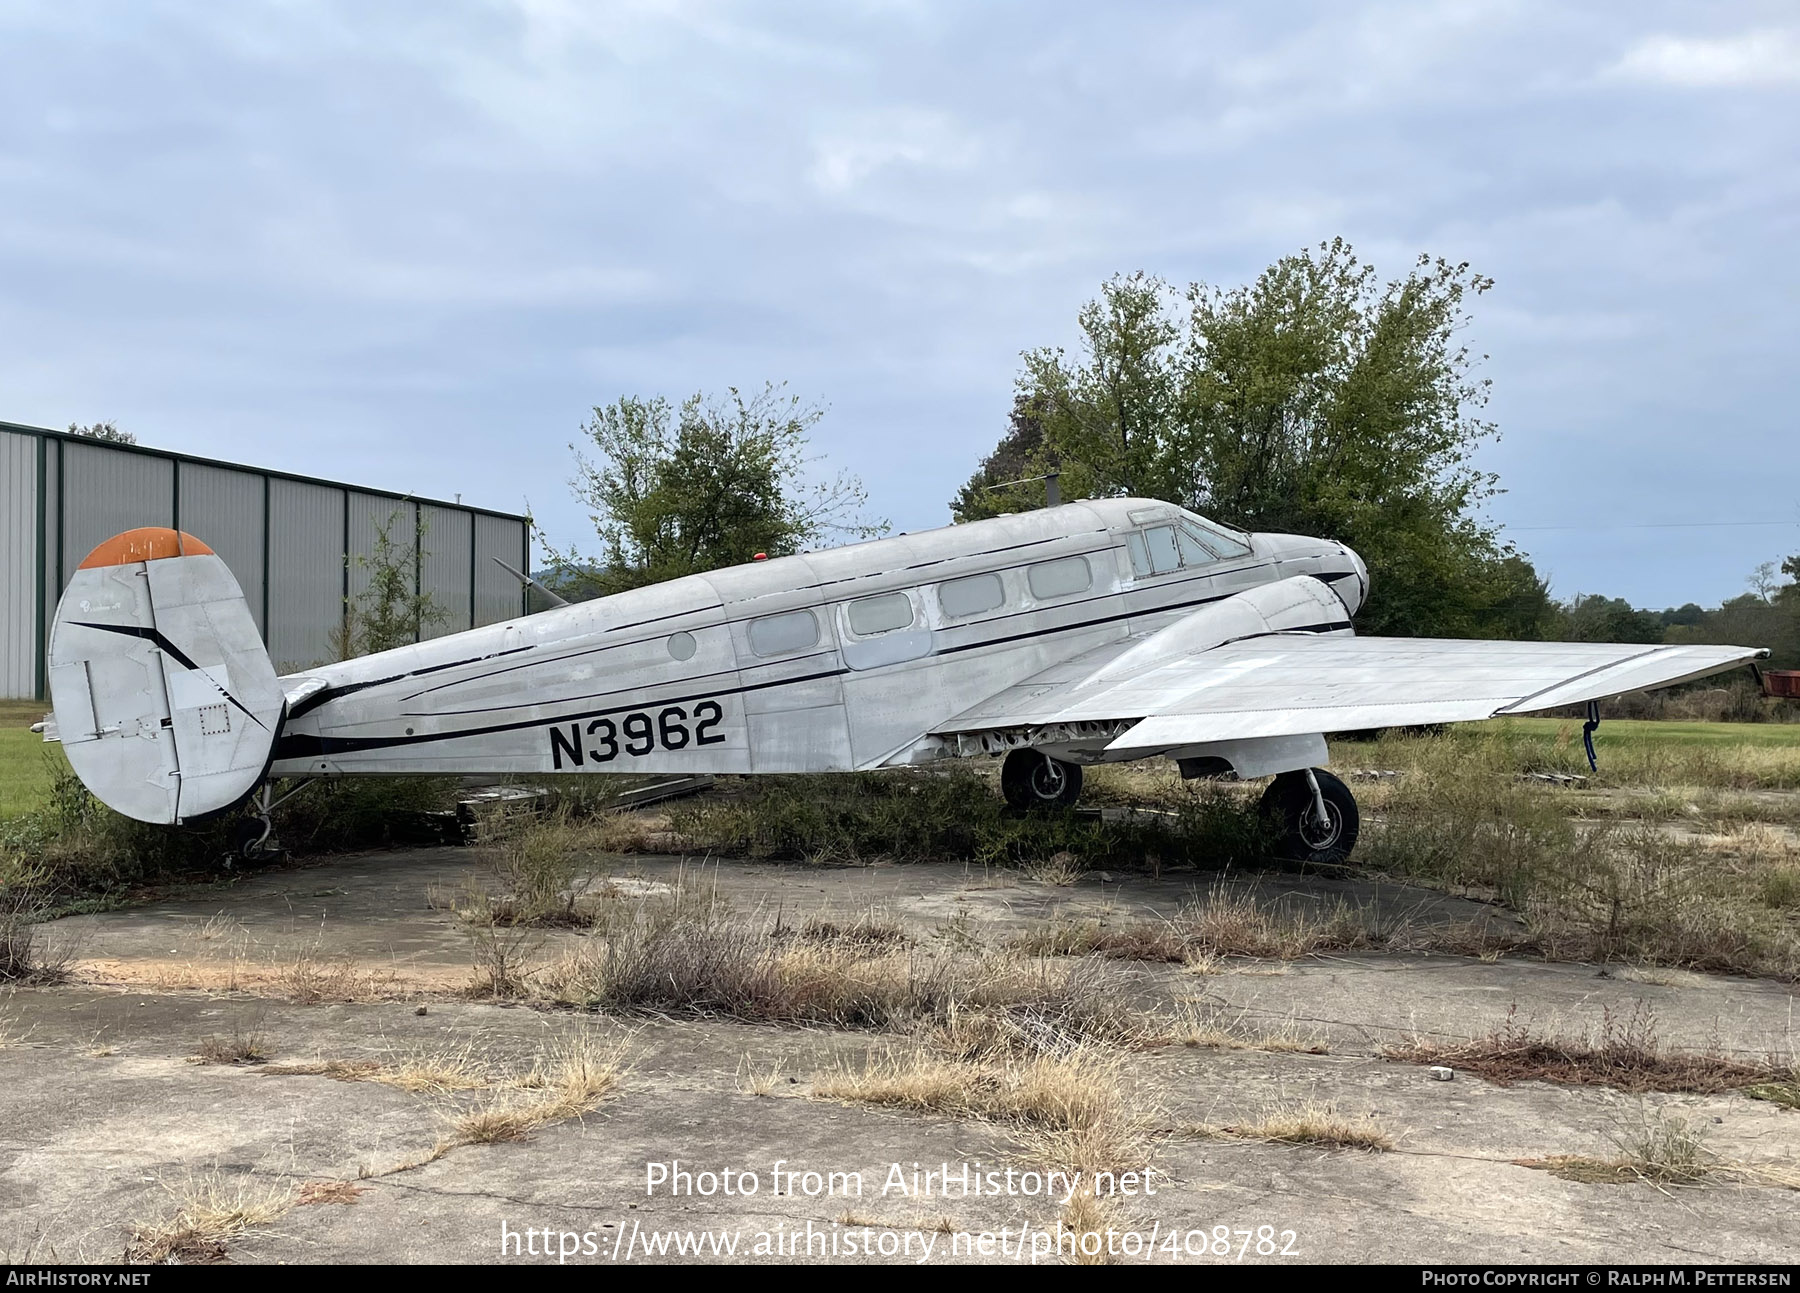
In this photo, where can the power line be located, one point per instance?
(1657, 525)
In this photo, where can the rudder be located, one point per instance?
(166, 702)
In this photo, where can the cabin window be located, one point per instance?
(971, 596)
(784, 634)
(1062, 578)
(883, 614)
(682, 646)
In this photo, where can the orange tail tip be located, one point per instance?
(149, 543)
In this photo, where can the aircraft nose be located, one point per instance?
(1361, 592)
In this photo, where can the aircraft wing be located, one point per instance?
(1294, 683)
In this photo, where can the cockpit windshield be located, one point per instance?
(1183, 543)
(1222, 539)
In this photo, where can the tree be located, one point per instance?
(1763, 582)
(1018, 455)
(676, 491)
(1767, 616)
(392, 610)
(1315, 400)
(1595, 618)
(103, 431)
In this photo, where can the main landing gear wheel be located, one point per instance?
(1029, 779)
(1313, 814)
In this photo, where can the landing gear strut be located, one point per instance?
(1030, 779)
(1313, 814)
(253, 838)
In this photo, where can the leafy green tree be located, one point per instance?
(1019, 454)
(1767, 616)
(1317, 399)
(675, 491)
(392, 610)
(1595, 618)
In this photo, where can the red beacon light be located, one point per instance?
(761, 556)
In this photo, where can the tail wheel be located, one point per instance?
(1030, 779)
(250, 839)
(1292, 810)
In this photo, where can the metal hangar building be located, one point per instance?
(292, 541)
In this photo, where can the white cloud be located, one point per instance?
(1754, 58)
(393, 237)
(845, 157)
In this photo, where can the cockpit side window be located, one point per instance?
(1164, 555)
(1140, 554)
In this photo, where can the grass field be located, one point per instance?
(1638, 731)
(27, 765)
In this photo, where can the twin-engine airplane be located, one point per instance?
(1096, 632)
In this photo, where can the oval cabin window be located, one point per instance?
(971, 596)
(883, 614)
(1062, 578)
(784, 634)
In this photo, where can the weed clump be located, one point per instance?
(1622, 1053)
(26, 955)
(1223, 923)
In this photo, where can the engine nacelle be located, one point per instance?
(1300, 604)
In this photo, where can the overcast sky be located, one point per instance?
(409, 244)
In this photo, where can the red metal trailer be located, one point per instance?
(1781, 682)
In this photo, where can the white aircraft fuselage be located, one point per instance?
(827, 661)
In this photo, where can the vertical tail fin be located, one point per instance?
(166, 702)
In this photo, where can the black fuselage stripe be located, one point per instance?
(305, 747)
(313, 701)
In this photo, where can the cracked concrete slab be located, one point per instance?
(109, 1122)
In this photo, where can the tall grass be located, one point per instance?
(74, 844)
(956, 815)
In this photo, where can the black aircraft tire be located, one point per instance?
(247, 843)
(1287, 806)
(1029, 779)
